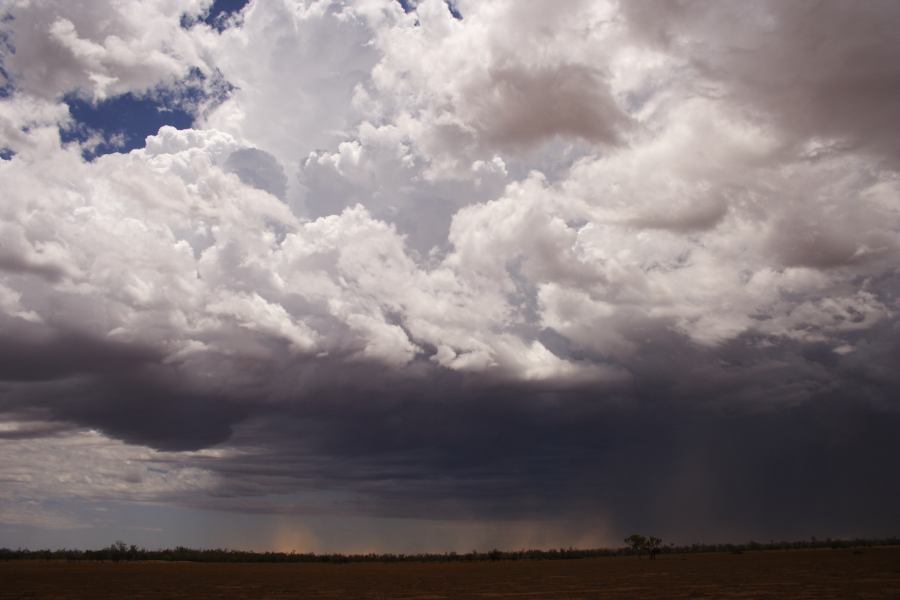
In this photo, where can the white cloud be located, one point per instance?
(538, 196)
(98, 49)
(815, 69)
(462, 90)
(683, 209)
(294, 66)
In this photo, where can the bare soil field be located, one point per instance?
(796, 574)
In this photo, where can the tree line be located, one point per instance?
(638, 546)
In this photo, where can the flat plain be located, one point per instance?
(795, 574)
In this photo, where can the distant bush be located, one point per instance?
(119, 551)
(640, 544)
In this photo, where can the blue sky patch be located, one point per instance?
(120, 124)
(218, 14)
(410, 5)
(6, 48)
(451, 6)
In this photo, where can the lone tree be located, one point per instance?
(640, 544)
(637, 543)
(653, 544)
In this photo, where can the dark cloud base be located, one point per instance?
(822, 468)
(692, 448)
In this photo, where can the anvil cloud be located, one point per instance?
(517, 266)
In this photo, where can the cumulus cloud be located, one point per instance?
(462, 90)
(97, 49)
(822, 71)
(503, 260)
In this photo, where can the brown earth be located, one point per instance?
(796, 574)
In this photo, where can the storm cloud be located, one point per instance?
(630, 265)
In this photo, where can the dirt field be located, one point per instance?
(838, 574)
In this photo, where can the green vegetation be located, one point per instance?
(638, 545)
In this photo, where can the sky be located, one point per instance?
(370, 275)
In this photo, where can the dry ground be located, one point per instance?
(837, 574)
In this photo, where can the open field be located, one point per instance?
(796, 574)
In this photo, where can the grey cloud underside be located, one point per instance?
(703, 434)
(519, 107)
(641, 466)
(258, 169)
(635, 261)
(30, 352)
